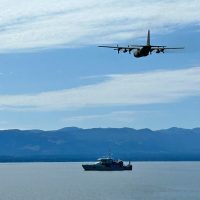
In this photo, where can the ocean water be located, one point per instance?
(68, 181)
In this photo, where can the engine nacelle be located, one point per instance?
(162, 50)
(158, 51)
(125, 50)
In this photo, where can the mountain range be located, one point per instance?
(76, 144)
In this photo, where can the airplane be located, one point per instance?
(142, 50)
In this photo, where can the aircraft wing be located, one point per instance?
(120, 47)
(123, 49)
(174, 48)
(159, 49)
(165, 47)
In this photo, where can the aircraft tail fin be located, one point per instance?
(148, 38)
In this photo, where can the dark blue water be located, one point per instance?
(68, 181)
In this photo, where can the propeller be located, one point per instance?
(118, 49)
(125, 50)
(162, 50)
(151, 51)
(129, 50)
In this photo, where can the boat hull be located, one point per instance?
(106, 168)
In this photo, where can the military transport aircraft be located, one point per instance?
(141, 50)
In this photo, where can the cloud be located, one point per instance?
(125, 89)
(29, 25)
(119, 119)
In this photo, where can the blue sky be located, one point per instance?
(53, 75)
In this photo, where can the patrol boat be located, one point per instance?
(107, 164)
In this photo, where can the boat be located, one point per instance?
(107, 164)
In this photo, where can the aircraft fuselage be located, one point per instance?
(144, 51)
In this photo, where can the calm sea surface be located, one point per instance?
(59, 181)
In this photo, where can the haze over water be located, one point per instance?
(59, 181)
